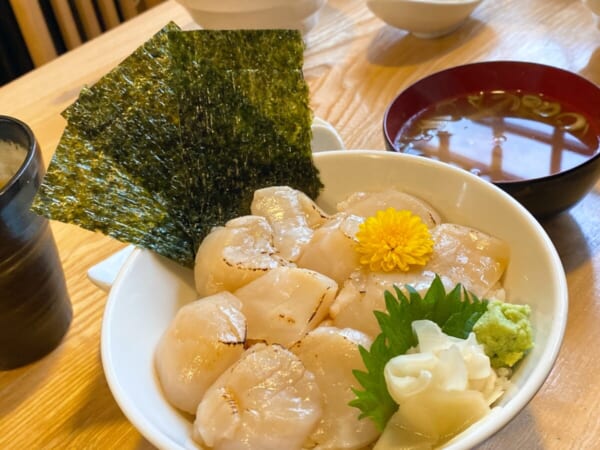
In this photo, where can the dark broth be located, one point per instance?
(502, 135)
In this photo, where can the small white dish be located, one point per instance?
(325, 137)
(150, 289)
(256, 14)
(424, 18)
(104, 273)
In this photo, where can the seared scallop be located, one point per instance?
(460, 255)
(331, 251)
(366, 204)
(468, 256)
(292, 215)
(204, 339)
(332, 354)
(265, 401)
(235, 254)
(364, 292)
(286, 303)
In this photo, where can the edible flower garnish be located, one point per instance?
(392, 240)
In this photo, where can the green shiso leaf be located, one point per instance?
(374, 400)
(455, 312)
(466, 312)
(178, 137)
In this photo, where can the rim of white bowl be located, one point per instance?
(120, 394)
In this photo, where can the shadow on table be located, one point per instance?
(144, 445)
(26, 379)
(521, 431)
(565, 233)
(99, 412)
(325, 45)
(392, 47)
(592, 70)
(570, 232)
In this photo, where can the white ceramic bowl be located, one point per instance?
(302, 15)
(150, 289)
(424, 18)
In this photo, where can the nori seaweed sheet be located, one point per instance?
(245, 117)
(142, 118)
(106, 100)
(123, 131)
(175, 139)
(88, 188)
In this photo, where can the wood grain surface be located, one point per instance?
(355, 65)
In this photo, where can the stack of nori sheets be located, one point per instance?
(176, 139)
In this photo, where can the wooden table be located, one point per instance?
(355, 64)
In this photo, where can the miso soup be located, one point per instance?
(502, 135)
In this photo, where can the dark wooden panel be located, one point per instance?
(14, 56)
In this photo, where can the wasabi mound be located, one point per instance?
(505, 332)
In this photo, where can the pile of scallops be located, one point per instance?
(264, 358)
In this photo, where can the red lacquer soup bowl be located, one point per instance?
(531, 129)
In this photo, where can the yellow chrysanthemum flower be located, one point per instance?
(392, 240)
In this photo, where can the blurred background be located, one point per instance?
(34, 32)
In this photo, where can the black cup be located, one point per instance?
(35, 310)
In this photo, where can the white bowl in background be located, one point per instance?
(233, 5)
(424, 18)
(150, 289)
(300, 15)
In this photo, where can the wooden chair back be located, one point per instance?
(78, 21)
